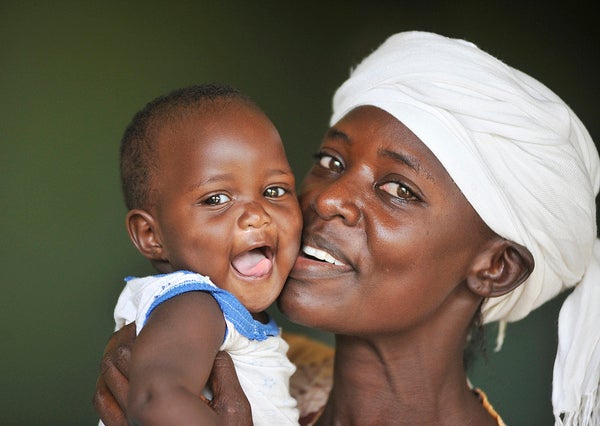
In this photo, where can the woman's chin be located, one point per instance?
(307, 311)
(295, 305)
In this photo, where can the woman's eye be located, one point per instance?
(215, 200)
(398, 190)
(330, 163)
(274, 192)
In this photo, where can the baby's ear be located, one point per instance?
(500, 268)
(145, 235)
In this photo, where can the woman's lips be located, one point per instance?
(317, 263)
(321, 255)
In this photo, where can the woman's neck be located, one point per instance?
(401, 380)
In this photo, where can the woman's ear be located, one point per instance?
(500, 268)
(144, 233)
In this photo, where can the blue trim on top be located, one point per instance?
(232, 308)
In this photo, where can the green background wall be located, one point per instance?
(71, 77)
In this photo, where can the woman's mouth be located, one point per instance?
(321, 255)
(318, 264)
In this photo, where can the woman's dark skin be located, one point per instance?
(413, 263)
(380, 203)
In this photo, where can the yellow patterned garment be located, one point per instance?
(486, 404)
(311, 383)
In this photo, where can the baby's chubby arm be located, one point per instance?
(172, 360)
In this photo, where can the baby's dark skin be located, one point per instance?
(220, 202)
(229, 402)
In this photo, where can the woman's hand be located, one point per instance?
(112, 385)
(229, 401)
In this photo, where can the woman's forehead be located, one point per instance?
(379, 133)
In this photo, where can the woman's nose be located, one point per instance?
(337, 199)
(253, 216)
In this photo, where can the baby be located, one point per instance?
(210, 193)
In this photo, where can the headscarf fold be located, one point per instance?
(526, 164)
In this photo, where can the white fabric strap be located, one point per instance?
(575, 394)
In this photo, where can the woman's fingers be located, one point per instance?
(118, 349)
(229, 401)
(107, 407)
(112, 386)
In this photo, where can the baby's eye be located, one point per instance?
(274, 192)
(331, 163)
(398, 190)
(215, 200)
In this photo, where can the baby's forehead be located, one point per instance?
(203, 109)
(217, 124)
(206, 116)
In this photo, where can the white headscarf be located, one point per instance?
(526, 164)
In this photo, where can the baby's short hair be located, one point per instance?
(138, 153)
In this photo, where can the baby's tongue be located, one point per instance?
(252, 263)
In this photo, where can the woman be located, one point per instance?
(450, 189)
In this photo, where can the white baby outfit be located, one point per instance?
(257, 349)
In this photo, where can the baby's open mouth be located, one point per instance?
(254, 263)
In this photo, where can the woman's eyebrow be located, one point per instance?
(334, 133)
(408, 160)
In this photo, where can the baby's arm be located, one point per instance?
(172, 360)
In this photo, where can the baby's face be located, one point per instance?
(226, 204)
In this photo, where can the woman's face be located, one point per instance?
(388, 237)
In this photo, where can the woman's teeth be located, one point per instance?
(321, 255)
